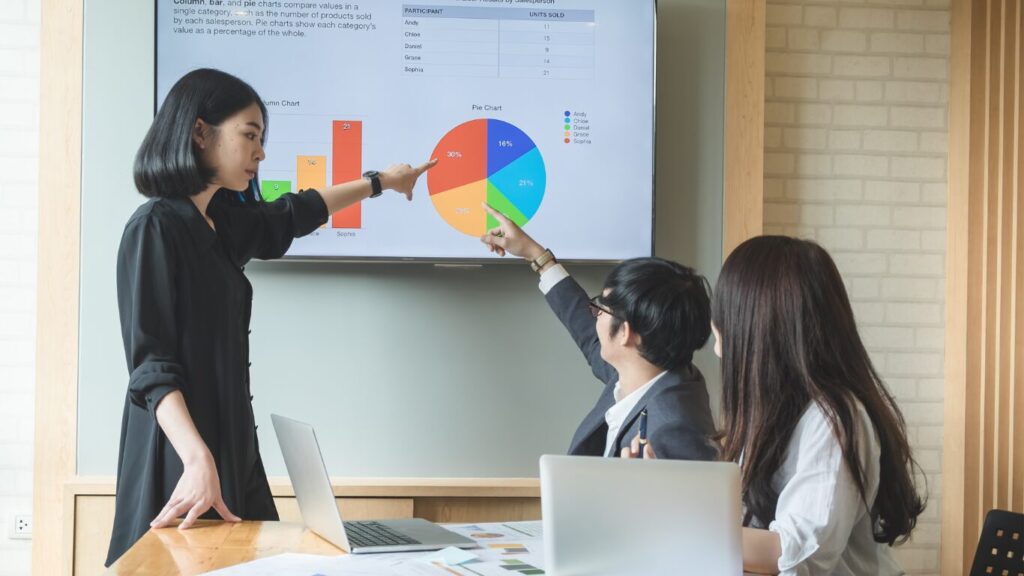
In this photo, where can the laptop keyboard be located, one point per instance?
(362, 534)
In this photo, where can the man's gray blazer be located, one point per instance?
(679, 422)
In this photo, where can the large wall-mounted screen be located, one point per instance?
(543, 109)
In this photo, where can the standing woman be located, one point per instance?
(188, 434)
(826, 470)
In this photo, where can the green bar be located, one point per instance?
(273, 189)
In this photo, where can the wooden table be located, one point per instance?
(213, 544)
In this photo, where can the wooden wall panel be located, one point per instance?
(984, 451)
(743, 201)
(351, 508)
(60, 139)
(94, 520)
(460, 510)
(1017, 432)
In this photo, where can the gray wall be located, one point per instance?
(405, 370)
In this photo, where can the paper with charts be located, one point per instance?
(506, 549)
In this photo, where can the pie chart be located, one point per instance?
(486, 160)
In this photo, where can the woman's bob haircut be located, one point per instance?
(168, 163)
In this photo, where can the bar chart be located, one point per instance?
(311, 171)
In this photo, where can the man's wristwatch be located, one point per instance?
(374, 177)
(542, 260)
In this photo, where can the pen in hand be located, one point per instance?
(643, 432)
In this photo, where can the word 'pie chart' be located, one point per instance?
(486, 160)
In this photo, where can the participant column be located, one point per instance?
(449, 41)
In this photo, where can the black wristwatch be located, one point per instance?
(374, 177)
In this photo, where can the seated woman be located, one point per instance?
(827, 473)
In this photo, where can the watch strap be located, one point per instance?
(541, 261)
(374, 177)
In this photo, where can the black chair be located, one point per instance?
(1001, 545)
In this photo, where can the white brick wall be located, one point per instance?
(855, 158)
(19, 152)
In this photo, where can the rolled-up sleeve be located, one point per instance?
(820, 503)
(146, 302)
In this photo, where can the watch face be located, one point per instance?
(371, 174)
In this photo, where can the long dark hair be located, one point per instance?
(788, 339)
(167, 163)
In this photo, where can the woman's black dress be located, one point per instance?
(185, 305)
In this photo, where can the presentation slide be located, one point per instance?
(543, 109)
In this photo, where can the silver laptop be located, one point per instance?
(609, 516)
(321, 515)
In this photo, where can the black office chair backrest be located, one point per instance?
(1001, 545)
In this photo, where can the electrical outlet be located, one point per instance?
(21, 527)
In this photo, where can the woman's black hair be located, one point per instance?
(667, 304)
(168, 163)
(789, 338)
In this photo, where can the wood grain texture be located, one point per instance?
(91, 507)
(367, 487)
(214, 545)
(461, 510)
(983, 455)
(743, 201)
(94, 518)
(60, 137)
(352, 508)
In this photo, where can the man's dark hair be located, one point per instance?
(167, 163)
(667, 304)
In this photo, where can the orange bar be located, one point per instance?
(347, 165)
(311, 172)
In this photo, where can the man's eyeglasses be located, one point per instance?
(597, 307)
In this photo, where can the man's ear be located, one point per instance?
(200, 133)
(626, 336)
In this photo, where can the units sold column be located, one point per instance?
(556, 44)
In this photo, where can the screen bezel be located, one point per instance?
(457, 262)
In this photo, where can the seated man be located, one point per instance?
(639, 336)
